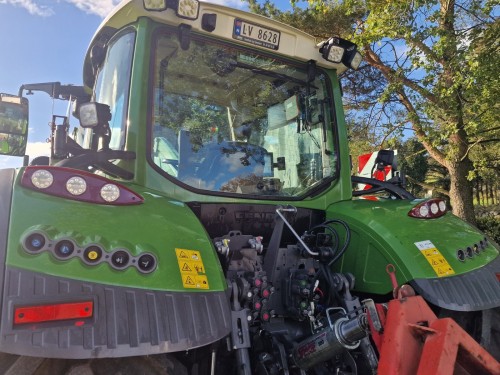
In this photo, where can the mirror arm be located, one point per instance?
(57, 91)
(100, 160)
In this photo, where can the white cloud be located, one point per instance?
(34, 149)
(238, 4)
(31, 6)
(99, 7)
(10, 162)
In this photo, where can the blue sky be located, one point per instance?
(45, 41)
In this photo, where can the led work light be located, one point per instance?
(188, 9)
(338, 50)
(93, 114)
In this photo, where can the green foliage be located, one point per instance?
(193, 114)
(438, 74)
(490, 225)
(413, 162)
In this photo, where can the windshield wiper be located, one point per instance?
(272, 74)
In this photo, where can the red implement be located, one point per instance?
(415, 341)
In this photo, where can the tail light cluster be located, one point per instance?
(77, 185)
(429, 209)
(91, 254)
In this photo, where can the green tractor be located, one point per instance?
(203, 212)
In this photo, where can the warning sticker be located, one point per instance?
(192, 269)
(437, 261)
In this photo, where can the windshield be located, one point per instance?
(232, 121)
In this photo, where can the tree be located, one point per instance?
(435, 57)
(435, 79)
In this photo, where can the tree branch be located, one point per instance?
(428, 186)
(391, 75)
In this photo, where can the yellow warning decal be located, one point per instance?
(437, 261)
(192, 269)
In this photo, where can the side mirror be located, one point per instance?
(386, 158)
(13, 125)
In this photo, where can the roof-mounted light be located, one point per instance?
(338, 50)
(332, 51)
(188, 9)
(157, 5)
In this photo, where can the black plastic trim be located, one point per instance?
(126, 321)
(6, 186)
(472, 291)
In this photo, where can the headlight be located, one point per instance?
(110, 192)
(76, 185)
(42, 179)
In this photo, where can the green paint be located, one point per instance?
(383, 233)
(157, 226)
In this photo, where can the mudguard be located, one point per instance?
(423, 251)
(179, 304)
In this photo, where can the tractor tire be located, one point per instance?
(490, 332)
(483, 326)
(162, 364)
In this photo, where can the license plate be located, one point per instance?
(256, 34)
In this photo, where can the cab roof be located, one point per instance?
(293, 43)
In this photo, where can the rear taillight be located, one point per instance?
(77, 185)
(53, 312)
(429, 209)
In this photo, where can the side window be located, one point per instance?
(113, 85)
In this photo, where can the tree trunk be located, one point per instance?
(461, 195)
(478, 187)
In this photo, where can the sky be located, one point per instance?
(46, 41)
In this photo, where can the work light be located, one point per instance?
(332, 51)
(338, 50)
(187, 9)
(93, 114)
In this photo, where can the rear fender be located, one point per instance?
(424, 253)
(179, 304)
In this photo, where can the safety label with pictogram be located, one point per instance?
(437, 261)
(192, 269)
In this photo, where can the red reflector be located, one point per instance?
(47, 313)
